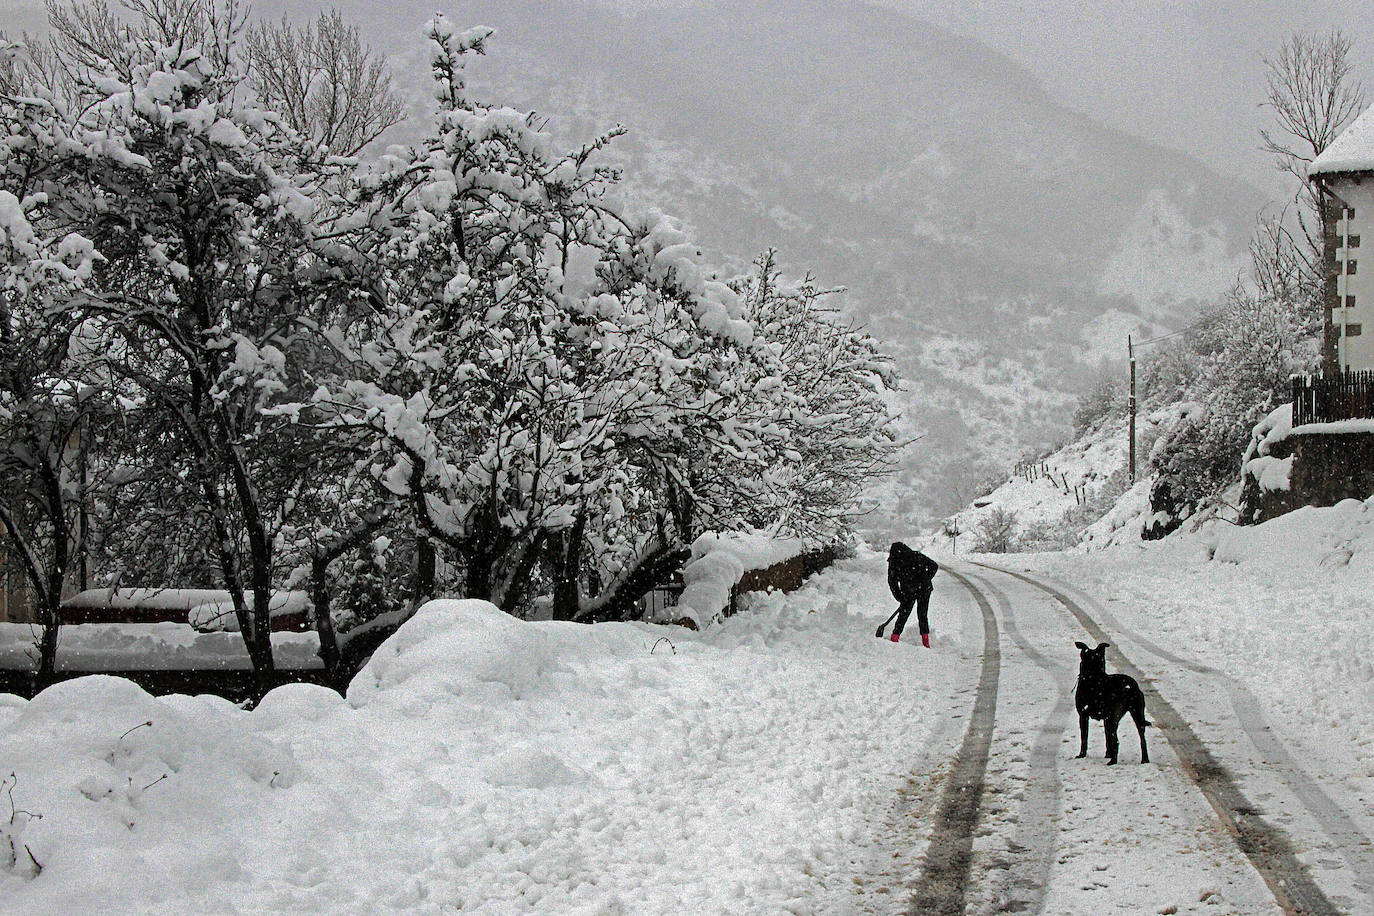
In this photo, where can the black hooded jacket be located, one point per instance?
(909, 572)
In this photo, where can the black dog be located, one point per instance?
(1107, 697)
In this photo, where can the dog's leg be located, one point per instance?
(1083, 731)
(1138, 714)
(1109, 724)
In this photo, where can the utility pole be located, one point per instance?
(1130, 352)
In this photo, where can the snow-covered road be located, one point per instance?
(1064, 835)
(1224, 819)
(783, 762)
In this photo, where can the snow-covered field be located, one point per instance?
(484, 764)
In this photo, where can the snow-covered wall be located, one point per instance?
(1316, 464)
(719, 562)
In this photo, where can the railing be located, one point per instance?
(660, 597)
(1348, 395)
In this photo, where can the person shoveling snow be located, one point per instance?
(910, 575)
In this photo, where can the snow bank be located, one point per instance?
(133, 791)
(1125, 520)
(718, 563)
(466, 648)
(1330, 537)
(488, 765)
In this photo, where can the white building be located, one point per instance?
(1345, 172)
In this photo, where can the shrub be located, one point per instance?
(996, 532)
(1106, 398)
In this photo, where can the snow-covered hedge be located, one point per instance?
(1270, 473)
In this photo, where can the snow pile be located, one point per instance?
(484, 764)
(718, 563)
(1269, 471)
(1352, 151)
(133, 789)
(1331, 538)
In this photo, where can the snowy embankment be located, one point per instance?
(1079, 493)
(486, 764)
(718, 563)
(1053, 487)
(1286, 607)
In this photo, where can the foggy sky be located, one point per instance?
(1187, 75)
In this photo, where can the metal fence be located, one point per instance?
(1348, 395)
(659, 598)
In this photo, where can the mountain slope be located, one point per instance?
(982, 230)
(1000, 243)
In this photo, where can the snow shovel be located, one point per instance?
(883, 625)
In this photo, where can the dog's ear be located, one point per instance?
(1083, 646)
(1102, 645)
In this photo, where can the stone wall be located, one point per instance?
(1326, 468)
(789, 574)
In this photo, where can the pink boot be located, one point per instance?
(896, 637)
(925, 640)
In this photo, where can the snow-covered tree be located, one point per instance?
(456, 369)
(519, 336)
(199, 205)
(835, 384)
(323, 80)
(49, 410)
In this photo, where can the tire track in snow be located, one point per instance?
(1027, 880)
(943, 882)
(1351, 843)
(1265, 845)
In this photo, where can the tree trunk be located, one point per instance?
(565, 566)
(47, 646)
(514, 588)
(324, 621)
(623, 603)
(426, 569)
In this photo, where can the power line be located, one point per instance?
(1183, 330)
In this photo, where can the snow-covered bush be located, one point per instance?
(996, 532)
(1106, 397)
(1247, 351)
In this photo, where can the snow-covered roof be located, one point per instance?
(1351, 151)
